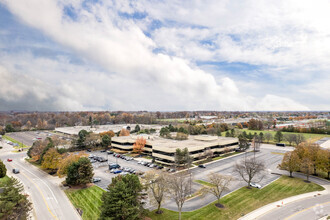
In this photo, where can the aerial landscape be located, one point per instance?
(164, 110)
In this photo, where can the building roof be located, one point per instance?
(193, 142)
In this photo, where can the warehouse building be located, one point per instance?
(163, 150)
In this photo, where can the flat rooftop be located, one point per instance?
(191, 142)
(102, 128)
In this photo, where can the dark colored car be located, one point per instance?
(201, 166)
(96, 179)
(89, 150)
(114, 166)
(160, 167)
(102, 151)
(117, 171)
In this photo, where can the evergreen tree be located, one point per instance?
(278, 136)
(80, 172)
(13, 204)
(3, 169)
(106, 140)
(123, 199)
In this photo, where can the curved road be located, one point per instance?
(49, 200)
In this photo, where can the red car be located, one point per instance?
(9, 160)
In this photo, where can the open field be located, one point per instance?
(88, 200)
(245, 200)
(308, 136)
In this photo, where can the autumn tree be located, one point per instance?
(179, 188)
(67, 161)
(218, 184)
(181, 136)
(139, 144)
(299, 138)
(124, 132)
(51, 159)
(240, 126)
(157, 187)
(109, 133)
(250, 169)
(291, 162)
(306, 167)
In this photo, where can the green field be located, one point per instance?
(244, 200)
(203, 183)
(88, 200)
(14, 141)
(308, 136)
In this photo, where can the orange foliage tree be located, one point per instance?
(124, 132)
(139, 145)
(109, 133)
(66, 162)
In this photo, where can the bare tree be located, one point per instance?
(290, 138)
(268, 137)
(218, 184)
(299, 139)
(179, 186)
(307, 167)
(157, 187)
(249, 169)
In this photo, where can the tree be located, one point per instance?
(139, 144)
(306, 167)
(92, 140)
(268, 137)
(219, 183)
(49, 145)
(240, 126)
(243, 143)
(261, 137)
(278, 136)
(67, 161)
(13, 203)
(181, 136)
(106, 140)
(323, 161)
(3, 169)
(157, 187)
(123, 199)
(290, 138)
(227, 134)
(291, 162)
(51, 159)
(80, 172)
(81, 138)
(179, 186)
(109, 133)
(182, 157)
(208, 154)
(249, 169)
(299, 139)
(124, 132)
(9, 128)
(137, 128)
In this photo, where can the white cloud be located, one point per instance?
(134, 76)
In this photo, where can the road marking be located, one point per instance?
(40, 180)
(277, 153)
(294, 214)
(42, 195)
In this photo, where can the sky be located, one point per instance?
(222, 55)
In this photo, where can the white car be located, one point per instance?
(255, 185)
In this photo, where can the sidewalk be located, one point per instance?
(278, 204)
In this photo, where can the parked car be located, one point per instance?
(114, 166)
(89, 150)
(160, 167)
(102, 159)
(110, 152)
(93, 161)
(96, 179)
(171, 170)
(117, 171)
(280, 144)
(255, 185)
(103, 150)
(152, 165)
(15, 171)
(201, 166)
(9, 160)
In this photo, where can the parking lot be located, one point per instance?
(28, 137)
(101, 169)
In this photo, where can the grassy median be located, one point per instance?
(88, 200)
(236, 204)
(245, 200)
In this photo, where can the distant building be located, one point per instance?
(163, 150)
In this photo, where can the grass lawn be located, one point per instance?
(14, 141)
(244, 200)
(308, 136)
(88, 200)
(204, 183)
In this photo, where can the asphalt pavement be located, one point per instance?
(49, 200)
